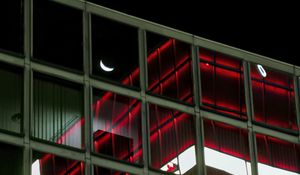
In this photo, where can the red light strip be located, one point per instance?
(133, 76)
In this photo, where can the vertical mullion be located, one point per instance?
(199, 146)
(250, 110)
(296, 94)
(27, 95)
(144, 85)
(87, 91)
(196, 75)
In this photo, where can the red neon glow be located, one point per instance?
(216, 71)
(226, 139)
(116, 121)
(274, 99)
(171, 167)
(60, 166)
(278, 153)
(73, 134)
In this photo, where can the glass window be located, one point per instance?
(273, 98)
(226, 149)
(115, 52)
(57, 34)
(58, 111)
(222, 84)
(117, 126)
(11, 98)
(169, 68)
(11, 161)
(276, 156)
(172, 140)
(50, 164)
(104, 171)
(11, 30)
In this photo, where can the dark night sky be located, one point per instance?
(270, 30)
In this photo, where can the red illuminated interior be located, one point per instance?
(278, 153)
(222, 84)
(117, 119)
(274, 99)
(226, 139)
(51, 164)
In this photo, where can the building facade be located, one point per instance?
(86, 90)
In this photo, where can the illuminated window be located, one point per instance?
(169, 68)
(50, 164)
(11, 96)
(58, 111)
(115, 52)
(273, 98)
(276, 156)
(222, 84)
(172, 140)
(57, 34)
(11, 30)
(117, 126)
(226, 149)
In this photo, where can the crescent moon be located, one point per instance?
(105, 68)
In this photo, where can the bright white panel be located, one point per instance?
(187, 159)
(35, 168)
(225, 162)
(267, 170)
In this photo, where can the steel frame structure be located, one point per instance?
(85, 80)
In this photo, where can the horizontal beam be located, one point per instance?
(274, 133)
(223, 119)
(57, 150)
(170, 104)
(106, 163)
(138, 22)
(10, 59)
(11, 139)
(56, 72)
(79, 4)
(245, 55)
(114, 88)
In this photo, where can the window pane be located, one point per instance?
(11, 96)
(115, 51)
(104, 171)
(117, 126)
(274, 98)
(11, 161)
(57, 34)
(276, 156)
(226, 149)
(11, 30)
(50, 164)
(58, 111)
(222, 84)
(172, 140)
(169, 68)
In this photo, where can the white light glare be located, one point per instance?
(261, 70)
(35, 168)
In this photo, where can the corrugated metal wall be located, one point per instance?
(57, 109)
(11, 100)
